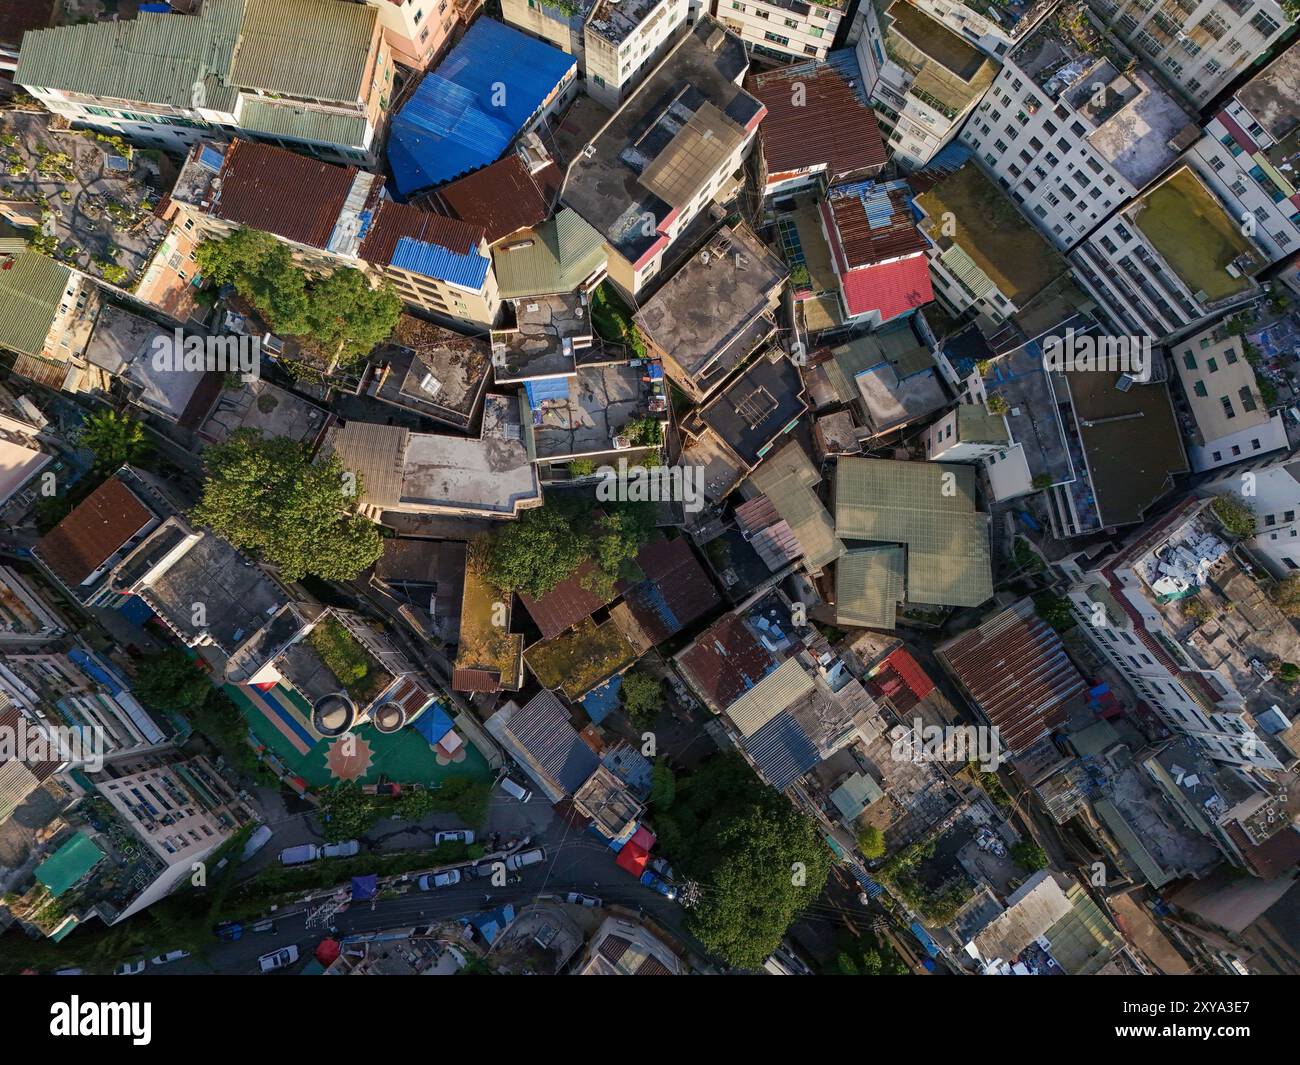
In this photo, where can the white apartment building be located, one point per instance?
(312, 75)
(783, 29)
(923, 78)
(1198, 45)
(994, 28)
(1170, 259)
(616, 42)
(1248, 155)
(1070, 137)
(971, 435)
(1271, 488)
(1119, 611)
(1226, 419)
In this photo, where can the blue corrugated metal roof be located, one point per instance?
(465, 113)
(433, 724)
(433, 260)
(548, 388)
(782, 751)
(603, 701)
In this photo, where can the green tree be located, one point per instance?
(347, 317)
(1236, 516)
(759, 861)
(871, 842)
(1055, 610)
(640, 692)
(278, 289)
(618, 537)
(663, 785)
(1286, 596)
(263, 494)
(113, 439)
(1030, 855)
(1288, 672)
(240, 254)
(347, 812)
(171, 681)
(535, 553)
(1291, 9)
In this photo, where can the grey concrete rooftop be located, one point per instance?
(266, 407)
(615, 20)
(714, 301)
(548, 333)
(1033, 417)
(431, 370)
(601, 401)
(1135, 136)
(493, 474)
(123, 344)
(1270, 96)
(603, 183)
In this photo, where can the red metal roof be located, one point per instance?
(281, 192)
(503, 198)
(823, 124)
(726, 661)
(566, 604)
(475, 680)
(911, 674)
(890, 288)
(856, 242)
(393, 221)
(93, 532)
(632, 858)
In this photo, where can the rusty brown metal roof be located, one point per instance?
(393, 221)
(502, 198)
(281, 192)
(93, 532)
(475, 680)
(824, 123)
(863, 244)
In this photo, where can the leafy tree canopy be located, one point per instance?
(113, 439)
(640, 693)
(871, 842)
(170, 681)
(759, 861)
(262, 494)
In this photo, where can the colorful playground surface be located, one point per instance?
(280, 719)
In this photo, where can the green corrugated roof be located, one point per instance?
(933, 514)
(285, 120)
(564, 251)
(869, 585)
(856, 793)
(787, 479)
(304, 48)
(30, 292)
(1157, 876)
(153, 58)
(69, 864)
(975, 425)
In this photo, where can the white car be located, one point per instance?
(130, 968)
(576, 898)
(278, 959)
(170, 956)
(463, 836)
(437, 880)
(260, 838)
(349, 848)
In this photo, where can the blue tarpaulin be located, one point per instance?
(603, 701)
(466, 112)
(135, 610)
(923, 937)
(433, 724)
(364, 887)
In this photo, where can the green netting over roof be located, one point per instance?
(69, 864)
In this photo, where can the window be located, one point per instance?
(1189, 360)
(1199, 388)
(1228, 412)
(792, 23)
(1078, 129)
(420, 14)
(1212, 365)
(776, 38)
(1264, 25)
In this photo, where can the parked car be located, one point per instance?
(170, 956)
(299, 855)
(525, 858)
(266, 926)
(67, 972)
(228, 930)
(657, 883)
(661, 866)
(260, 838)
(515, 791)
(437, 880)
(278, 959)
(349, 848)
(579, 899)
(130, 968)
(464, 835)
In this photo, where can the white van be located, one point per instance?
(525, 858)
(514, 790)
(299, 855)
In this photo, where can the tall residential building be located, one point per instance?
(616, 42)
(667, 153)
(417, 31)
(1249, 153)
(783, 29)
(1170, 259)
(1070, 131)
(1199, 45)
(1126, 603)
(924, 79)
(313, 75)
(1271, 488)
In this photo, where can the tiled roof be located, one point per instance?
(676, 591)
(93, 532)
(566, 604)
(826, 124)
(504, 197)
(282, 192)
(890, 288)
(475, 680)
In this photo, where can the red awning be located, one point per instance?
(632, 858)
(327, 951)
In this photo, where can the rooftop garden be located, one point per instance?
(937, 903)
(579, 659)
(1194, 235)
(485, 637)
(361, 676)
